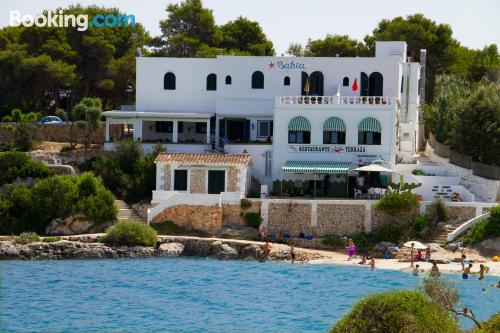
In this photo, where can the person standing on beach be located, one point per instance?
(292, 253)
(266, 249)
(412, 254)
(351, 249)
(427, 254)
(372, 263)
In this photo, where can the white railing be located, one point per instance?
(463, 227)
(335, 100)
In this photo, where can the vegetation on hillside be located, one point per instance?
(19, 166)
(487, 228)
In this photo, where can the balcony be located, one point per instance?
(332, 101)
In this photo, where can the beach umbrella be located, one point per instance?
(416, 245)
(373, 168)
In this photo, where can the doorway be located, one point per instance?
(216, 181)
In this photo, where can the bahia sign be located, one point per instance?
(286, 65)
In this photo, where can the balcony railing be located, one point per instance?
(336, 100)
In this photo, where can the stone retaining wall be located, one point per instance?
(340, 219)
(379, 218)
(290, 217)
(196, 217)
(459, 215)
(234, 214)
(56, 133)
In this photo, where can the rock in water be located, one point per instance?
(252, 251)
(170, 250)
(226, 252)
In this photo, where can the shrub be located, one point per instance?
(168, 228)
(25, 136)
(94, 200)
(245, 203)
(14, 165)
(418, 224)
(393, 233)
(130, 233)
(253, 220)
(492, 325)
(439, 211)
(396, 311)
(394, 203)
(51, 239)
(418, 172)
(7, 119)
(334, 241)
(28, 237)
(487, 228)
(61, 114)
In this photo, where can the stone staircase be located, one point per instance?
(442, 237)
(124, 211)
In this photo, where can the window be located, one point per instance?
(169, 81)
(257, 80)
(333, 137)
(316, 81)
(369, 132)
(375, 84)
(163, 126)
(299, 137)
(201, 128)
(364, 84)
(286, 81)
(345, 81)
(180, 127)
(264, 128)
(229, 79)
(180, 180)
(212, 82)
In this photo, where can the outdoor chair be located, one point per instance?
(358, 194)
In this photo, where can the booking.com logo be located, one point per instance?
(60, 20)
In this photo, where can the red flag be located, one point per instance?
(355, 85)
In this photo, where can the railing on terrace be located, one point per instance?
(336, 100)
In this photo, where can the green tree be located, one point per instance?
(18, 165)
(475, 128)
(87, 114)
(187, 28)
(332, 46)
(245, 37)
(419, 33)
(25, 136)
(396, 311)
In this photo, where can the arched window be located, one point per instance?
(212, 82)
(286, 81)
(345, 81)
(376, 84)
(334, 131)
(299, 130)
(229, 80)
(257, 80)
(369, 132)
(305, 84)
(364, 84)
(316, 82)
(169, 81)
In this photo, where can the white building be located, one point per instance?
(299, 118)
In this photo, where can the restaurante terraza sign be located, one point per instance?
(325, 149)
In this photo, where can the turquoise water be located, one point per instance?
(196, 295)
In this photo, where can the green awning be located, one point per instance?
(331, 167)
(370, 125)
(334, 124)
(299, 124)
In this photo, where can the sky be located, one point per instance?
(474, 23)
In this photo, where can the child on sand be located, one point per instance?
(462, 261)
(351, 249)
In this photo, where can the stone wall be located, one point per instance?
(167, 179)
(57, 133)
(232, 179)
(197, 181)
(380, 218)
(290, 217)
(340, 219)
(234, 214)
(459, 215)
(196, 217)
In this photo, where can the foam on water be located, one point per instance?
(197, 295)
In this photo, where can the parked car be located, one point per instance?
(50, 120)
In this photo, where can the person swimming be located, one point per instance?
(372, 263)
(363, 260)
(466, 272)
(483, 269)
(435, 270)
(415, 270)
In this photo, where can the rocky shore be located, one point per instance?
(89, 247)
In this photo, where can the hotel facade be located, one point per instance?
(306, 120)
